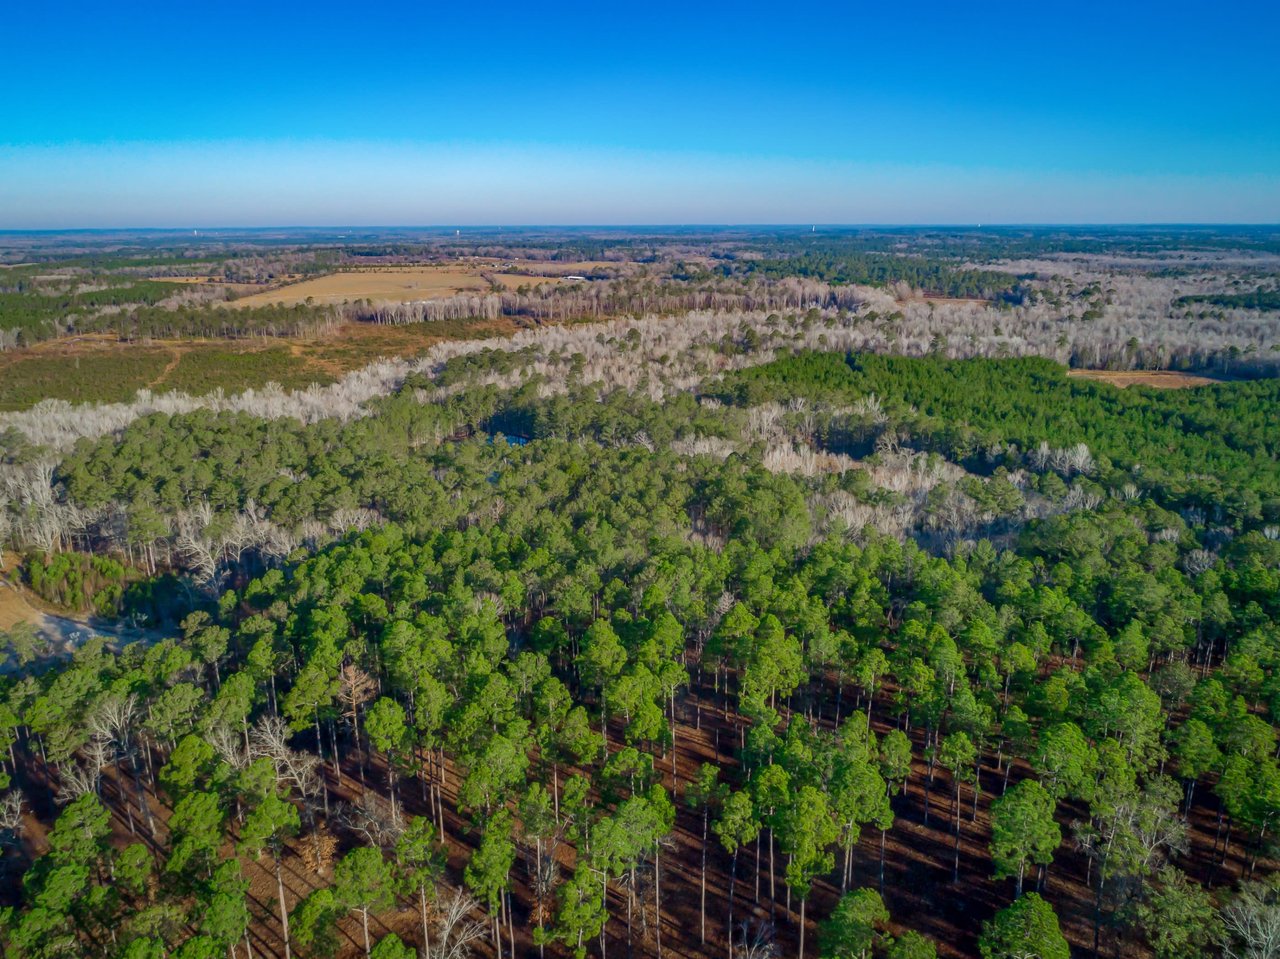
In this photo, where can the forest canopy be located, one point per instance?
(739, 633)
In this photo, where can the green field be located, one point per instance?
(116, 375)
(91, 377)
(228, 368)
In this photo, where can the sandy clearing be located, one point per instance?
(61, 634)
(1160, 379)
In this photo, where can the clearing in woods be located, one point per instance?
(100, 368)
(1161, 379)
(392, 285)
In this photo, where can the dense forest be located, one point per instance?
(26, 307)
(169, 295)
(835, 654)
(934, 276)
(1256, 300)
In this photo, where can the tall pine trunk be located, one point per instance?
(733, 879)
(703, 904)
(284, 912)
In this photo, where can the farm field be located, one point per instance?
(387, 284)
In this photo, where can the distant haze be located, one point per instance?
(665, 114)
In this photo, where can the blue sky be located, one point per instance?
(234, 114)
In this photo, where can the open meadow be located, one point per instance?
(392, 285)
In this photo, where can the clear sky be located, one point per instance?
(236, 114)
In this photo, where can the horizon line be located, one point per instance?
(797, 225)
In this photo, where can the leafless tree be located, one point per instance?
(457, 930)
(370, 817)
(296, 769)
(1252, 921)
(76, 779)
(355, 688)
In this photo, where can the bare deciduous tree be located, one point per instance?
(457, 929)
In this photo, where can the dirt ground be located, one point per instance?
(1160, 379)
(61, 633)
(390, 284)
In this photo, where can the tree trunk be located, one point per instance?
(337, 756)
(395, 805)
(1097, 915)
(773, 893)
(882, 832)
(511, 929)
(733, 879)
(426, 929)
(657, 896)
(759, 843)
(802, 902)
(675, 772)
(955, 873)
(977, 786)
(284, 912)
(555, 789)
(703, 903)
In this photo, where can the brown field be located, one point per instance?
(1160, 379)
(388, 284)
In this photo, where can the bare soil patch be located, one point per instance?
(1160, 379)
(14, 608)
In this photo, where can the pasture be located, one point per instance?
(391, 284)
